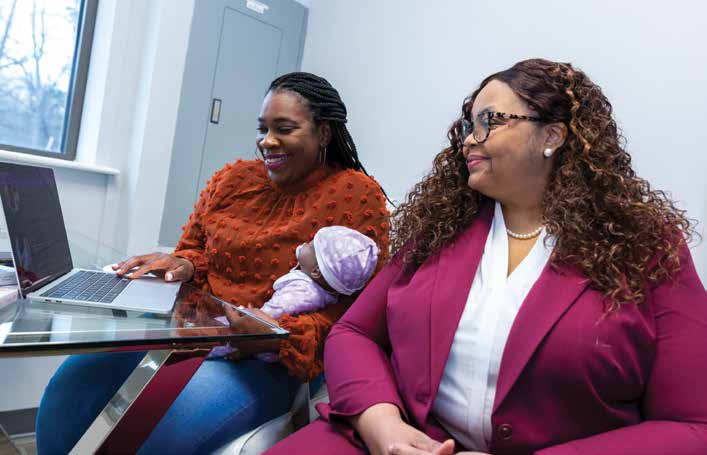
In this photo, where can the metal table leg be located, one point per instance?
(139, 404)
(6, 445)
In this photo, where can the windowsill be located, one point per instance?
(24, 158)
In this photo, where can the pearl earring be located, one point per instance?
(548, 152)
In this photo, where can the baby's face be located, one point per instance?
(307, 258)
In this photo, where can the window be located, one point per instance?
(44, 51)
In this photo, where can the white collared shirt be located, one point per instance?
(466, 393)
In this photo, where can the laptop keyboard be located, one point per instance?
(90, 287)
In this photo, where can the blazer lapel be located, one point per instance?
(551, 296)
(455, 272)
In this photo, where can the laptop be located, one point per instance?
(41, 256)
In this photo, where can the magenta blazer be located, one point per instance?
(570, 381)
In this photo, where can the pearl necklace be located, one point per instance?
(527, 236)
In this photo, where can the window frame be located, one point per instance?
(77, 88)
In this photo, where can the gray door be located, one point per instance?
(236, 48)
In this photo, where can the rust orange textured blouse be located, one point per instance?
(243, 234)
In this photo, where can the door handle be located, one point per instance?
(215, 110)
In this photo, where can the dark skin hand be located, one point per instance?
(198, 313)
(178, 269)
(245, 324)
(160, 264)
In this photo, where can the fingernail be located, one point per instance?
(169, 276)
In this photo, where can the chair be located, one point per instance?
(270, 433)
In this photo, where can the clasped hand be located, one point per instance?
(385, 433)
(421, 444)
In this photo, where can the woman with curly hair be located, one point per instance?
(542, 298)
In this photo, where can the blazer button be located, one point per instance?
(505, 431)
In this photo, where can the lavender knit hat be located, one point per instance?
(346, 258)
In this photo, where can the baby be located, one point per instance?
(338, 261)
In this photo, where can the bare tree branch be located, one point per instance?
(12, 95)
(52, 84)
(28, 78)
(6, 65)
(35, 47)
(32, 93)
(43, 32)
(8, 25)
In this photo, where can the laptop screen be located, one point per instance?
(35, 224)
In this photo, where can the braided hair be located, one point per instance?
(326, 105)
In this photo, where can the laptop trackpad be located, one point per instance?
(152, 295)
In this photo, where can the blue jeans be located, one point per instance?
(222, 401)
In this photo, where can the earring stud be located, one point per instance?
(548, 152)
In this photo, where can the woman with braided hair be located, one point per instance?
(541, 300)
(241, 237)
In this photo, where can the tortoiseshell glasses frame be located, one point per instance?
(481, 128)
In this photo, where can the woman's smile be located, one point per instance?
(274, 161)
(473, 160)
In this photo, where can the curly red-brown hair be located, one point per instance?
(608, 223)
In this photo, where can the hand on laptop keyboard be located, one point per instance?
(160, 264)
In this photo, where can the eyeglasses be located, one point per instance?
(484, 121)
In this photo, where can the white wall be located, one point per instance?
(139, 86)
(404, 66)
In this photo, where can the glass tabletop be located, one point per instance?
(31, 327)
(198, 319)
